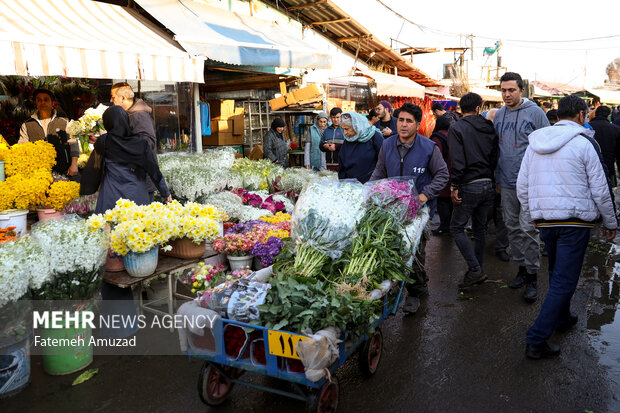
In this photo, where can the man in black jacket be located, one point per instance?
(608, 137)
(140, 121)
(473, 153)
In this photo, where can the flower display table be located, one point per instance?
(167, 265)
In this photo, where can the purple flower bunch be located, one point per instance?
(244, 227)
(267, 252)
(398, 197)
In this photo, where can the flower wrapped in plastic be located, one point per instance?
(398, 196)
(323, 221)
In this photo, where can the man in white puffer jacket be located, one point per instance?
(563, 186)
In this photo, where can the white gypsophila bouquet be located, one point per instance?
(227, 201)
(195, 177)
(294, 179)
(249, 213)
(234, 179)
(76, 256)
(326, 173)
(23, 265)
(13, 272)
(326, 214)
(70, 244)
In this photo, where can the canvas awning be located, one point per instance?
(89, 39)
(391, 85)
(233, 38)
(488, 95)
(608, 96)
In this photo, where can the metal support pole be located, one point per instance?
(197, 123)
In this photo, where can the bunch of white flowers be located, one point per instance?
(326, 215)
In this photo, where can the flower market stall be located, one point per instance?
(337, 277)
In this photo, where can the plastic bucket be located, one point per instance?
(70, 352)
(14, 367)
(14, 218)
(238, 263)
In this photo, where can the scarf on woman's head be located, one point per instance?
(316, 134)
(363, 131)
(121, 145)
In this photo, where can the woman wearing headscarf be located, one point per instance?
(128, 160)
(444, 201)
(360, 150)
(275, 147)
(313, 156)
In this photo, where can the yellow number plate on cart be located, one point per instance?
(284, 344)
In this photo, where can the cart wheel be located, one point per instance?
(213, 388)
(370, 354)
(325, 400)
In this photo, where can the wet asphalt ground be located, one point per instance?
(459, 353)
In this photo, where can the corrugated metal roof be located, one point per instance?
(339, 26)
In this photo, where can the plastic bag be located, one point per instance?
(326, 214)
(237, 301)
(398, 196)
(319, 352)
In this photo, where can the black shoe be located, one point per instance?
(472, 278)
(503, 255)
(530, 294)
(572, 320)
(412, 304)
(519, 280)
(439, 232)
(542, 351)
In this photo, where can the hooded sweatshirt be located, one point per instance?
(142, 124)
(473, 147)
(513, 127)
(562, 181)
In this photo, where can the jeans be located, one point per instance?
(444, 209)
(501, 232)
(522, 234)
(477, 203)
(566, 247)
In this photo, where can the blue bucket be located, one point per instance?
(141, 264)
(14, 367)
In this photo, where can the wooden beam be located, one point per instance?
(304, 6)
(344, 19)
(351, 38)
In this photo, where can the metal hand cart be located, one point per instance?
(221, 371)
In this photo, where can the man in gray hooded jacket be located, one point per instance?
(513, 124)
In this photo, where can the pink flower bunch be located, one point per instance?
(237, 244)
(257, 202)
(399, 198)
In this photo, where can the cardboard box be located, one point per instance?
(257, 153)
(221, 126)
(309, 93)
(238, 124)
(222, 138)
(222, 109)
(282, 101)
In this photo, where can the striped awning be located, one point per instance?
(89, 39)
(233, 38)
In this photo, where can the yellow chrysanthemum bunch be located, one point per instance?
(25, 158)
(140, 228)
(4, 148)
(278, 233)
(278, 217)
(60, 193)
(24, 191)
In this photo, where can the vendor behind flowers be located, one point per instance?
(46, 125)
